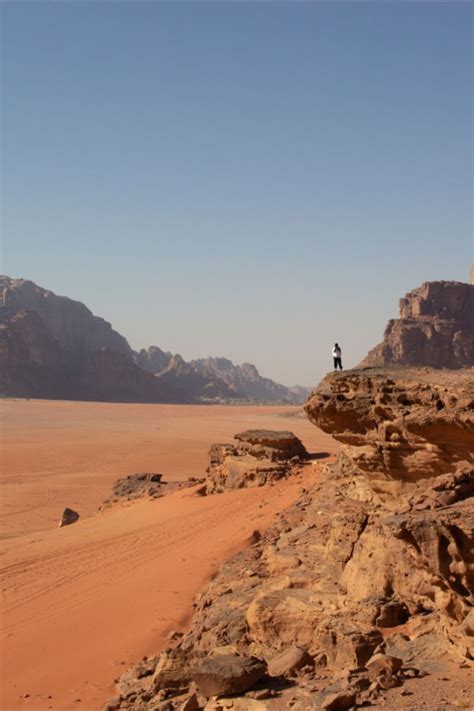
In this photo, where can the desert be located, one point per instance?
(236, 356)
(77, 602)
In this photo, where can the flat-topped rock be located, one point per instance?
(277, 439)
(256, 458)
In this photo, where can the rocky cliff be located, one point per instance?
(435, 328)
(72, 324)
(363, 592)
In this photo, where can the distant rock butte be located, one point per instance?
(54, 347)
(435, 328)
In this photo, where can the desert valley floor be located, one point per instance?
(82, 603)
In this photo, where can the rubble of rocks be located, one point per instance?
(258, 457)
(364, 588)
(147, 485)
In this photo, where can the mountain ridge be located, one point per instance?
(54, 347)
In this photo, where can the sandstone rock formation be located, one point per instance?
(365, 586)
(146, 485)
(259, 457)
(227, 674)
(435, 328)
(401, 427)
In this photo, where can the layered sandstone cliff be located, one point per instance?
(435, 328)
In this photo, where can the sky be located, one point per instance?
(254, 180)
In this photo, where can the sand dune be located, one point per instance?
(82, 603)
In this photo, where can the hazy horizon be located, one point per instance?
(254, 181)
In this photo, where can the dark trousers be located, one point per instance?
(337, 363)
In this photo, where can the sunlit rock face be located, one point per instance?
(435, 328)
(398, 426)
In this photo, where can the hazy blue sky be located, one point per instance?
(255, 180)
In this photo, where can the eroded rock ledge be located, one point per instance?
(401, 427)
(256, 458)
(365, 587)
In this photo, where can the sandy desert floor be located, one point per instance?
(82, 603)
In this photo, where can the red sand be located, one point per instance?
(82, 603)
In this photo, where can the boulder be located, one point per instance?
(289, 661)
(173, 671)
(68, 516)
(341, 701)
(228, 674)
(383, 665)
(191, 703)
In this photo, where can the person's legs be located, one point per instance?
(335, 362)
(338, 363)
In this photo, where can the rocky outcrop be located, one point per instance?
(227, 674)
(258, 457)
(366, 584)
(146, 485)
(435, 328)
(401, 427)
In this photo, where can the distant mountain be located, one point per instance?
(247, 382)
(153, 359)
(174, 371)
(75, 327)
(54, 347)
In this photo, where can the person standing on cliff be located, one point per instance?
(337, 356)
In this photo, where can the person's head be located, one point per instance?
(336, 345)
